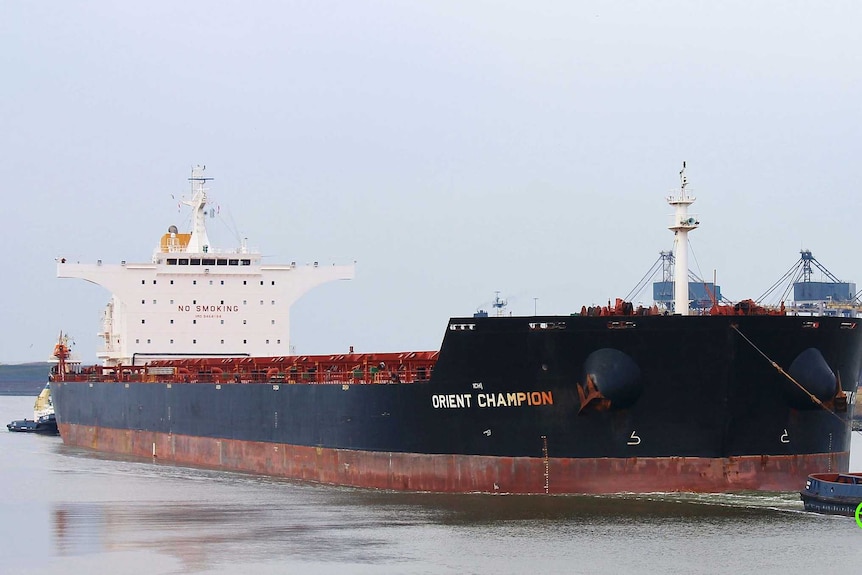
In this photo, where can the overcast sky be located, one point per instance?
(452, 149)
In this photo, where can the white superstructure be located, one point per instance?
(193, 300)
(682, 224)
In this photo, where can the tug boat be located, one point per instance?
(833, 493)
(44, 420)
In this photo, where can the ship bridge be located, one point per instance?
(195, 300)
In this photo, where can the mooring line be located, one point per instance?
(787, 375)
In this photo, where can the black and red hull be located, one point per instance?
(522, 405)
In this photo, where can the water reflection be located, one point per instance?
(336, 525)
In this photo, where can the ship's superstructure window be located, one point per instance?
(194, 321)
(172, 341)
(211, 282)
(245, 262)
(273, 282)
(244, 302)
(143, 321)
(245, 341)
(267, 342)
(143, 301)
(172, 322)
(154, 282)
(143, 282)
(172, 261)
(221, 262)
(154, 302)
(273, 322)
(261, 302)
(172, 282)
(172, 302)
(222, 341)
(194, 282)
(137, 341)
(195, 261)
(261, 282)
(184, 261)
(243, 322)
(233, 262)
(245, 283)
(222, 282)
(208, 262)
(194, 341)
(148, 341)
(222, 322)
(273, 302)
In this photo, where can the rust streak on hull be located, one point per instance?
(462, 473)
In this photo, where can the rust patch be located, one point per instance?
(464, 473)
(590, 396)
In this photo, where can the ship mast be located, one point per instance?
(199, 242)
(682, 224)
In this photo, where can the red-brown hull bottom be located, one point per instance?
(463, 473)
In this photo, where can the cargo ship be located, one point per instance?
(196, 370)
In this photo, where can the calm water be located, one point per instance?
(69, 511)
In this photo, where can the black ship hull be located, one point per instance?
(523, 405)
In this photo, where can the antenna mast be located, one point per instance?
(682, 224)
(199, 242)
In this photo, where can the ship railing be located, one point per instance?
(288, 377)
(344, 369)
(183, 248)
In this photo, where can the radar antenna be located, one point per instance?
(499, 304)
